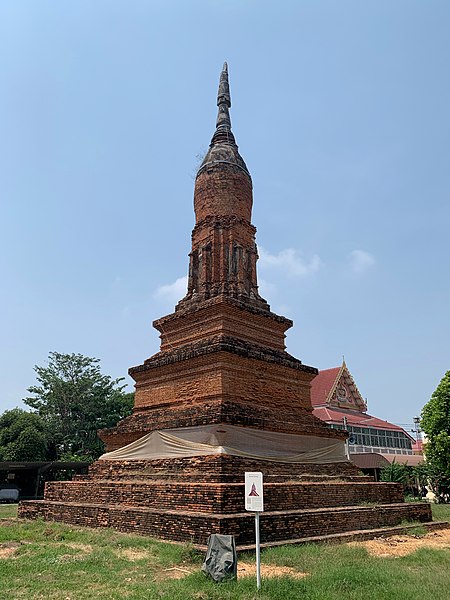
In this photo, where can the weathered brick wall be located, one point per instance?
(309, 523)
(227, 381)
(235, 387)
(189, 381)
(196, 527)
(255, 382)
(266, 384)
(223, 192)
(220, 410)
(223, 256)
(222, 498)
(219, 316)
(217, 468)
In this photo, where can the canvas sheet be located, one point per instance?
(230, 439)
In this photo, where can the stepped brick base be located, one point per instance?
(188, 499)
(195, 527)
(219, 497)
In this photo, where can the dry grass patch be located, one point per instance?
(402, 545)
(8, 549)
(244, 569)
(86, 548)
(133, 554)
(268, 571)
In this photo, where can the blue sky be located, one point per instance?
(341, 112)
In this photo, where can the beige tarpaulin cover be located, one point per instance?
(229, 439)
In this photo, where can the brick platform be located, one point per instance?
(195, 527)
(188, 499)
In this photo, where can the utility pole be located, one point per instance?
(417, 428)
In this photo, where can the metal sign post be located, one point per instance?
(258, 552)
(254, 502)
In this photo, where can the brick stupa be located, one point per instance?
(223, 363)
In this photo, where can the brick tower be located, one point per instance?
(222, 357)
(223, 369)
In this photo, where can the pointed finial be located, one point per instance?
(223, 149)
(223, 95)
(223, 122)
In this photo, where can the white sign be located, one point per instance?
(254, 491)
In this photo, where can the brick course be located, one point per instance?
(197, 526)
(223, 498)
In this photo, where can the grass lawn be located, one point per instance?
(441, 512)
(51, 561)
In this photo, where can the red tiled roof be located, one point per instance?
(322, 384)
(356, 418)
(321, 387)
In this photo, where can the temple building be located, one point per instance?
(222, 397)
(337, 401)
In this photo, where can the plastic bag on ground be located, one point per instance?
(221, 559)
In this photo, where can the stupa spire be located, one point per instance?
(223, 95)
(224, 101)
(223, 149)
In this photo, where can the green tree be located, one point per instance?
(395, 472)
(435, 422)
(75, 400)
(23, 436)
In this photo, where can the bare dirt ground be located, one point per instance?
(401, 545)
(249, 570)
(244, 570)
(8, 549)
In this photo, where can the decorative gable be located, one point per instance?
(344, 393)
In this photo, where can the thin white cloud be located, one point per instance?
(172, 292)
(290, 261)
(270, 292)
(282, 309)
(266, 288)
(361, 261)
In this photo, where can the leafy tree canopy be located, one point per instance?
(435, 422)
(397, 472)
(23, 436)
(75, 400)
(436, 413)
